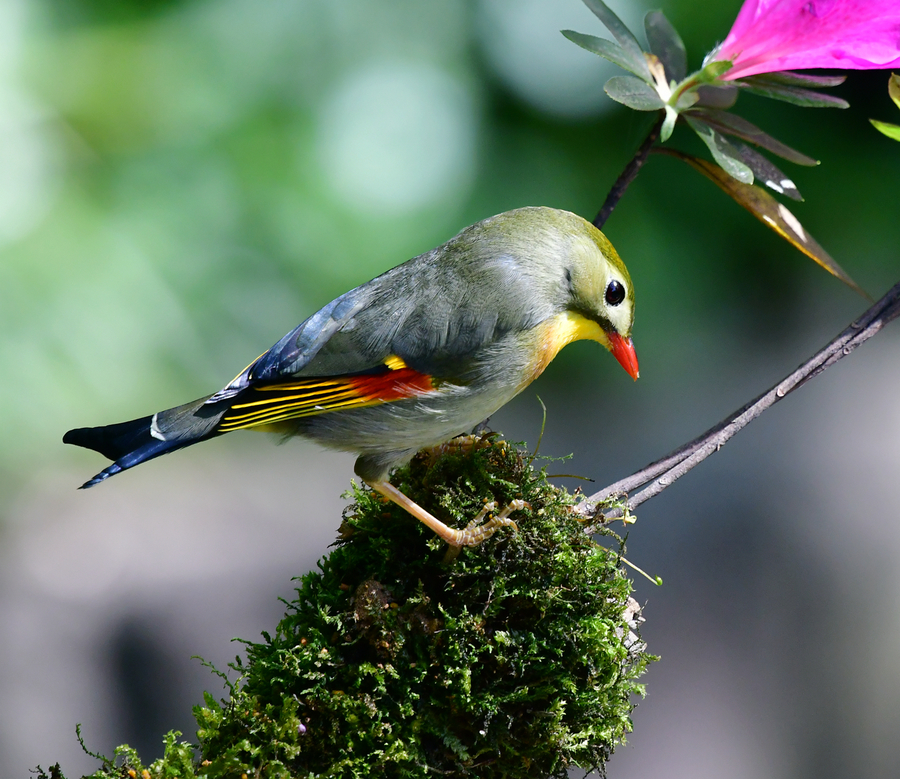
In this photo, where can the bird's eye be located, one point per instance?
(615, 293)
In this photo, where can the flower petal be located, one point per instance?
(775, 35)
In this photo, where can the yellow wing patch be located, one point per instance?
(394, 363)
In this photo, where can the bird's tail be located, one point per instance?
(134, 442)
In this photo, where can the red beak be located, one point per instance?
(623, 350)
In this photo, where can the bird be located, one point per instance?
(416, 356)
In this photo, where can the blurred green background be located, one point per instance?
(183, 181)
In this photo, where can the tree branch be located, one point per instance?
(664, 472)
(628, 175)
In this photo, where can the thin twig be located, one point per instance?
(628, 175)
(664, 472)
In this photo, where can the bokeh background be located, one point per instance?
(183, 181)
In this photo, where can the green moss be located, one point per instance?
(515, 659)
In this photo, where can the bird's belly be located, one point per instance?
(408, 424)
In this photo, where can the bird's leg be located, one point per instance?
(473, 534)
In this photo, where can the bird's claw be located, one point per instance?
(479, 530)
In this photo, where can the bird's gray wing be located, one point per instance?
(435, 313)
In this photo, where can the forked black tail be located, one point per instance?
(132, 443)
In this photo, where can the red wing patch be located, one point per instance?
(266, 404)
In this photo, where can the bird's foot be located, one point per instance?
(474, 533)
(479, 530)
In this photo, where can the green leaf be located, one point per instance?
(604, 48)
(717, 96)
(894, 89)
(711, 71)
(766, 172)
(770, 212)
(768, 87)
(623, 35)
(890, 130)
(666, 43)
(668, 124)
(686, 100)
(792, 79)
(730, 124)
(634, 93)
(723, 152)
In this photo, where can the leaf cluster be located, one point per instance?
(659, 82)
(518, 658)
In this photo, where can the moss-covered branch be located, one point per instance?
(515, 659)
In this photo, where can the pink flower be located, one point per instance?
(775, 35)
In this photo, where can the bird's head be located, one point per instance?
(600, 290)
(577, 284)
